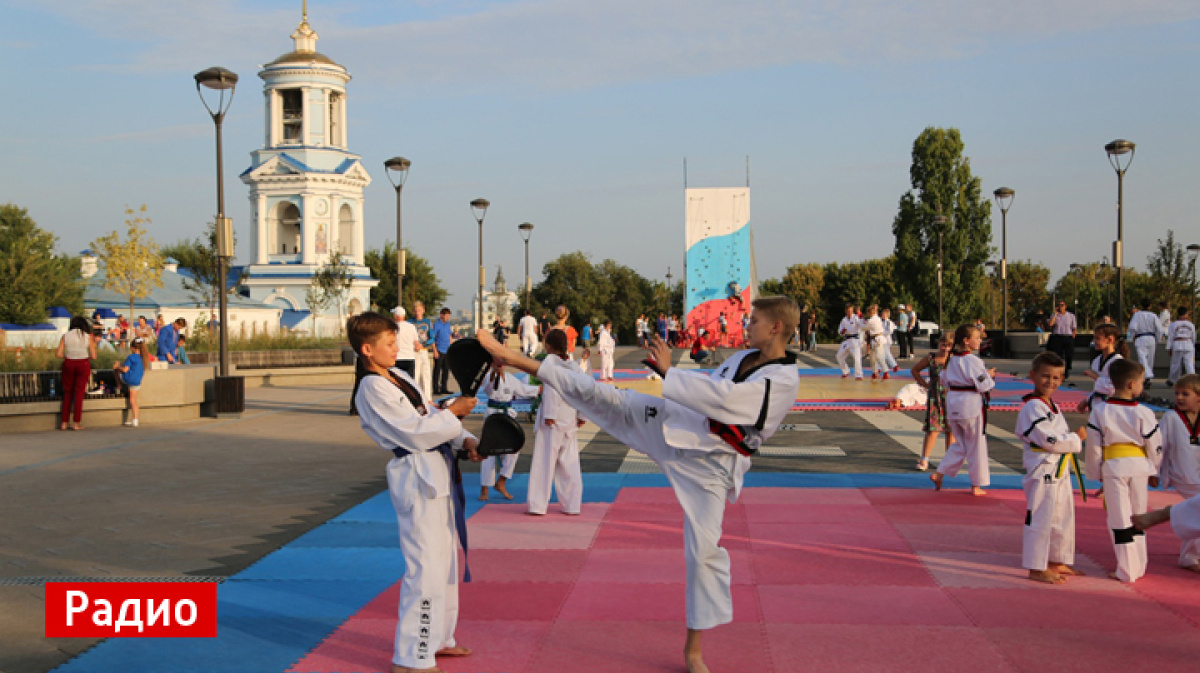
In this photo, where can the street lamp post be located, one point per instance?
(991, 293)
(1075, 289)
(1195, 250)
(478, 210)
(1116, 150)
(526, 230)
(669, 276)
(397, 172)
(1004, 198)
(940, 222)
(220, 80)
(1107, 284)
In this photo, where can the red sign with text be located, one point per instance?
(131, 609)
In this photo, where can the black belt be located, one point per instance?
(1139, 336)
(401, 453)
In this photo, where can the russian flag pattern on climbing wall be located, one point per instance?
(721, 277)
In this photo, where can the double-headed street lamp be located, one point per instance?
(1004, 198)
(940, 222)
(478, 210)
(397, 172)
(1116, 151)
(526, 229)
(220, 81)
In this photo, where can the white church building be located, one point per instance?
(306, 187)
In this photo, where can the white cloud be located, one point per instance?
(571, 44)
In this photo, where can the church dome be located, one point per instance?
(303, 57)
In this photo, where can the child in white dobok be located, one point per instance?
(1144, 332)
(1181, 341)
(876, 342)
(1110, 350)
(1184, 518)
(1049, 539)
(1124, 450)
(606, 345)
(1181, 454)
(889, 331)
(555, 466)
(701, 435)
(967, 383)
(848, 330)
(501, 390)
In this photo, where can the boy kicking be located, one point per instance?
(701, 433)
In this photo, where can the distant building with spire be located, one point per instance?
(498, 303)
(306, 187)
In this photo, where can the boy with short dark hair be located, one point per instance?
(702, 433)
(1180, 468)
(1049, 539)
(421, 478)
(1124, 450)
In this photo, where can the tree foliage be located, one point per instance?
(334, 280)
(132, 266)
(1027, 293)
(420, 281)
(34, 278)
(942, 184)
(1171, 273)
(199, 258)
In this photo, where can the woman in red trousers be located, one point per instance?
(77, 350)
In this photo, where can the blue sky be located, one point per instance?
(576, 116)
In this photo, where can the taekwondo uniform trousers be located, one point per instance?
(1183, 359)
(508, 462)
(1144, 346)
(555, 465)
(851, 347)
(1050, 520)
(1185, 519)
(701, 481)
(424, 373)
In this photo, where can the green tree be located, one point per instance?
(420, 281)
(317, 300)
(942, 184)
(1027, 293)
(1170, 273)
(334, 280)
(626, 294)
(1085, 291)
(34, 278)
(132, 266)
(199, 258)
(572, 281)
(861, 283)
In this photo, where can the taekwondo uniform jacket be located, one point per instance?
(1122, 422)
(849, 327)
(1046, 437)
(1101, 365)
(963, 371)
(605, 344)
(1182, 336)
(501, 394)
(1144, 324)
(875, 332)
(756, 404)
(1181, 455)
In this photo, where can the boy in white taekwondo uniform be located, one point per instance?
(1124, 450)
(967, 381)
(889, 331)
(1181, 454)
(555, 464)
(1049, 540)
(701, 435)
(500, 389)
(1144, 331)
(876, 341)
(423, 438)
(606, 345)
(1181, 341)
(1184, 518)
(848, 329)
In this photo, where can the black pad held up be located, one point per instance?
(469, 363)
(501, 435)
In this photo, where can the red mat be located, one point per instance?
(824, 580)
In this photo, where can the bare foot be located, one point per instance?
(923, 464)
(1064, 569)
(397, 668)
(64, 426)
(483, 495)
(535, 513)
(1151, 519)
(1195, 567)
(936, 478)
(1046, 576)
(975, 490)
(695, 664)
(500, 488)
(1114, 576)
(456, 651)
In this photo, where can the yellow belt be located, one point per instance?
(1124, 450)
(1063, 463)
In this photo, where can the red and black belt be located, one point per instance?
(732, 435)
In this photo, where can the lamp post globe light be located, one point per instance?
(478, 211)
(230, 393)
(1117, 151)
(1194, 249)
(397, 172)
(940, 222)
(526, 230)
(1004, 198)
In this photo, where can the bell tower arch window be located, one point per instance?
(292, 104)
(346, 227)
(286, 238)
(336, 131)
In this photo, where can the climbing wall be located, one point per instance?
(720, 260)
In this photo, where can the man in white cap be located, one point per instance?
(902, 331)
(407, 343)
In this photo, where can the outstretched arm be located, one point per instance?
(503, 356)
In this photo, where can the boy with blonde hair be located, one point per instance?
(701, 433)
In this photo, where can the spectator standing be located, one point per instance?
(407, 343)
(639, 328)
(902, 331)
(77, 351)
(560, 322)
(1062, 334)
(586, 334)
(500, 330)
(442, 334)
(132, 371)
(424, 375)
(142, 329)
(527, 327)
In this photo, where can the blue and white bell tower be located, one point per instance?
(306, 188)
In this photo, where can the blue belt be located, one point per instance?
(1139, 336)
(459, 498)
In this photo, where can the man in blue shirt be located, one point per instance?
(441, 335)
(168, 340)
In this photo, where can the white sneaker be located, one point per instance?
(131, 423)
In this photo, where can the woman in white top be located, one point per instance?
(77, 350)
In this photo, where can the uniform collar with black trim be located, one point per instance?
(1121, 403)
(789, 358)
(1048, 402)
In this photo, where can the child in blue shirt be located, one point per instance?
(132, 371)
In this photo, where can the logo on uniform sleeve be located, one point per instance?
(1051, 440)
(651, 412)
(981, 378)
